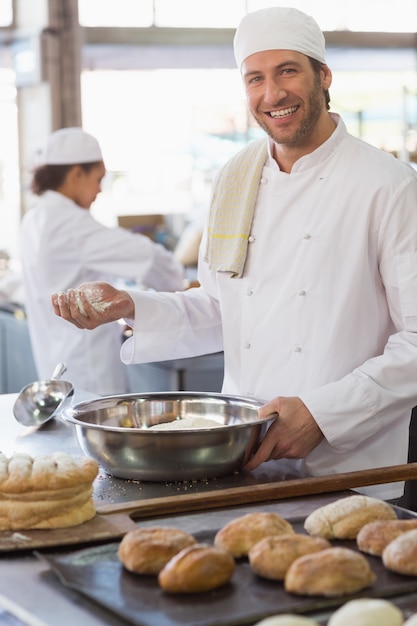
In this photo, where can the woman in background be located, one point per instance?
(62, 245)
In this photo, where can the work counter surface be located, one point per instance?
(29, 583)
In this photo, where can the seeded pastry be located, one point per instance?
(331, 572)
(400, 555)
(272, 556)
(148, 550)
(197, 568)
(344, 518)
(375, 536)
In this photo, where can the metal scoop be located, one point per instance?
(39, 402)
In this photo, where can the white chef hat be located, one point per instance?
(278, 28)
(70, 146)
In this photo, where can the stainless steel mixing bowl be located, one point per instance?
(115, 430)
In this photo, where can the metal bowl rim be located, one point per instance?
(68, 414)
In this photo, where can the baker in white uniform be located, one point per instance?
(308, 270)
(62, 245)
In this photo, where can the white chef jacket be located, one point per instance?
(62, 246)
(326, 309)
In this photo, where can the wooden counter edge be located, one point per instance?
(234, 496)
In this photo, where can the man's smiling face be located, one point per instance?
(286, 96)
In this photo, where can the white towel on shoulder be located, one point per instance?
(232, 206)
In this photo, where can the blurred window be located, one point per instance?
(171, 132)
(355, 15)
(6, 13)
(172, 129)
(9, 165)
(199, 13)
(115, 14)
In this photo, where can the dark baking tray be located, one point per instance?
(97, 573)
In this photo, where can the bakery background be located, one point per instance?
(136, 73)
(95, 62)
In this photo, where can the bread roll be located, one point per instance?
(344, 518)
(411, 621)
(147, 550)
(272, 556)
(400, 555)
(197, 568)
(23, 474)
(367, 612)
(46, 492)
(239, 535)
(375, 536)
(330, 572)
(287, 620)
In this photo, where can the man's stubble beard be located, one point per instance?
(308, 123)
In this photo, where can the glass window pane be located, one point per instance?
(199, 13)
(356, 15)
(9, 165)
(111, 13)
(171, 130)
(6, 12)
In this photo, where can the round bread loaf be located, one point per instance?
(344, 518)
(272, 556)
(367, 612)
(375, 536)
(147, 550)
(287, 620)
(46, 491)
(197, 568)
(400, 555)
(240, 534)
(330, 572)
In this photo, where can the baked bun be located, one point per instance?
(240, 534)
(330, 572)
(375, 536)
(400, 555)
(46, 491)
(344, 518)
(197, 568)
(287, 620)
(367, 612)
(272, 556)
(147, 550)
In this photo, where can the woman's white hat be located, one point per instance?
(278, 28)
(70, 146)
